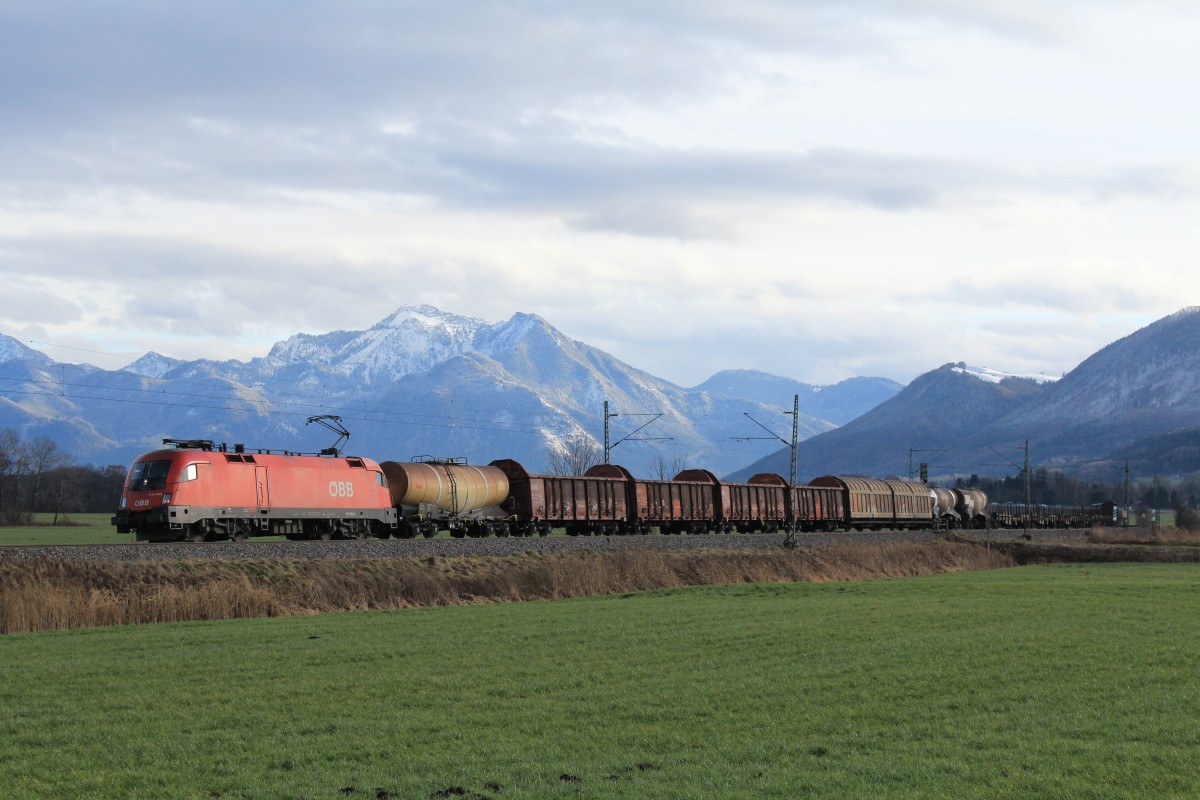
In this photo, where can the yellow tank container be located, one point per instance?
(452, 488)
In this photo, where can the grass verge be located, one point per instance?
(71, 529)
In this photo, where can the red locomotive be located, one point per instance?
(201, 492)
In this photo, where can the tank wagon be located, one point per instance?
(431, 495)
(198, 491)
(972, 507)
(944, 513)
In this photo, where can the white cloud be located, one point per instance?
(816, 189)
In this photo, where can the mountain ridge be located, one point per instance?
(420, 380)
(1142, 386)
(425, 381)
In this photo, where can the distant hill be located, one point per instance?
(1137, 398)
(933, 414)
(838, 403)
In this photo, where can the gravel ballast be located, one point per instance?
(407, 548)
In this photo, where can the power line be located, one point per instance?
(79, 349)
(241, 405)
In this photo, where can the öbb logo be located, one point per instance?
(341, 489)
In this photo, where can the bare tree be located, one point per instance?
(43, 455)
(572, 456)
(665, 469)
(13, 467)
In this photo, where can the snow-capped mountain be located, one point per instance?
(410, 340)
(152, 365)
(995, 376)
(421, 381)
(13, 350)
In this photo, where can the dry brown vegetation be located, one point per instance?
(48, 594)
(1157, 536)
(1131, 545)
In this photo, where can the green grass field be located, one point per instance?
(78, 529)
(1062, 681)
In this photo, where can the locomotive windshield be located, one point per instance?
(148, 476)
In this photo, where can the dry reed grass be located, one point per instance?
(47, 594)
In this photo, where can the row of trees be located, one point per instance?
(1057, 489)
(37, 476)
(1045, 487)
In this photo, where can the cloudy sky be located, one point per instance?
(816, 189)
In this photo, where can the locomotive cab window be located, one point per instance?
(148, 476)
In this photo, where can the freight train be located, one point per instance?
(196, 490)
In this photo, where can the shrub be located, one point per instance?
(1188, 519)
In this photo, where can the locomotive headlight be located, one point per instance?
(166, 498)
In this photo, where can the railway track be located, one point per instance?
(407, 548)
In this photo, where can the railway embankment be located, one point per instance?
(54, 593)
(65, 587)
